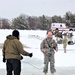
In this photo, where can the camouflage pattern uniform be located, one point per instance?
(49, 55)
(70, 35)
(64, 42)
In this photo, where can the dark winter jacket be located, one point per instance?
(13, 48)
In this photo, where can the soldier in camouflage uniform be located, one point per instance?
(64, 42)
(48, 46)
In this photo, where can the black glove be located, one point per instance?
(21, 57)
(30, 55)
(4, 60)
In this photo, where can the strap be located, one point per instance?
(48, 44)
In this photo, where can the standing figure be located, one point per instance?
(56, 34)
(12, 50)
(48, 47)
(64, 42)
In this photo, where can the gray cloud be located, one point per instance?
(13, 8)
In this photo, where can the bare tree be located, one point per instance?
(21, 22)
(5, 24)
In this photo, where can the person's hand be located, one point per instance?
(31, 54)
(21, 57)
(44, 51)
(4, 60)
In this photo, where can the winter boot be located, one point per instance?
(52, 73)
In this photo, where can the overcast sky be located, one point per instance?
(13, 8)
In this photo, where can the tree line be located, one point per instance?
(33, 22)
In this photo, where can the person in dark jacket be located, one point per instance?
(12, 50)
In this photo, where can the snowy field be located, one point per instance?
(64, 62)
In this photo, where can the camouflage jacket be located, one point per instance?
(64, 41)
(49, 45)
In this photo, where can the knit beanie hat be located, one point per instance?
(16, 33)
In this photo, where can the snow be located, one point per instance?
(32, 39)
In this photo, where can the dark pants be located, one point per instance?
(13, 66)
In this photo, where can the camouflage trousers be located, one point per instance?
(47, 59)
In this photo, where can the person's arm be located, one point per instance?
(3, 52)
(42, 47)
(55, 46)
(21, 50)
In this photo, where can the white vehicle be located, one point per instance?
(59, 26)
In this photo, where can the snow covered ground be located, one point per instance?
(64, 62)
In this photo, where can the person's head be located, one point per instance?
(16, 33)
(65, 35)
(49, 34)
